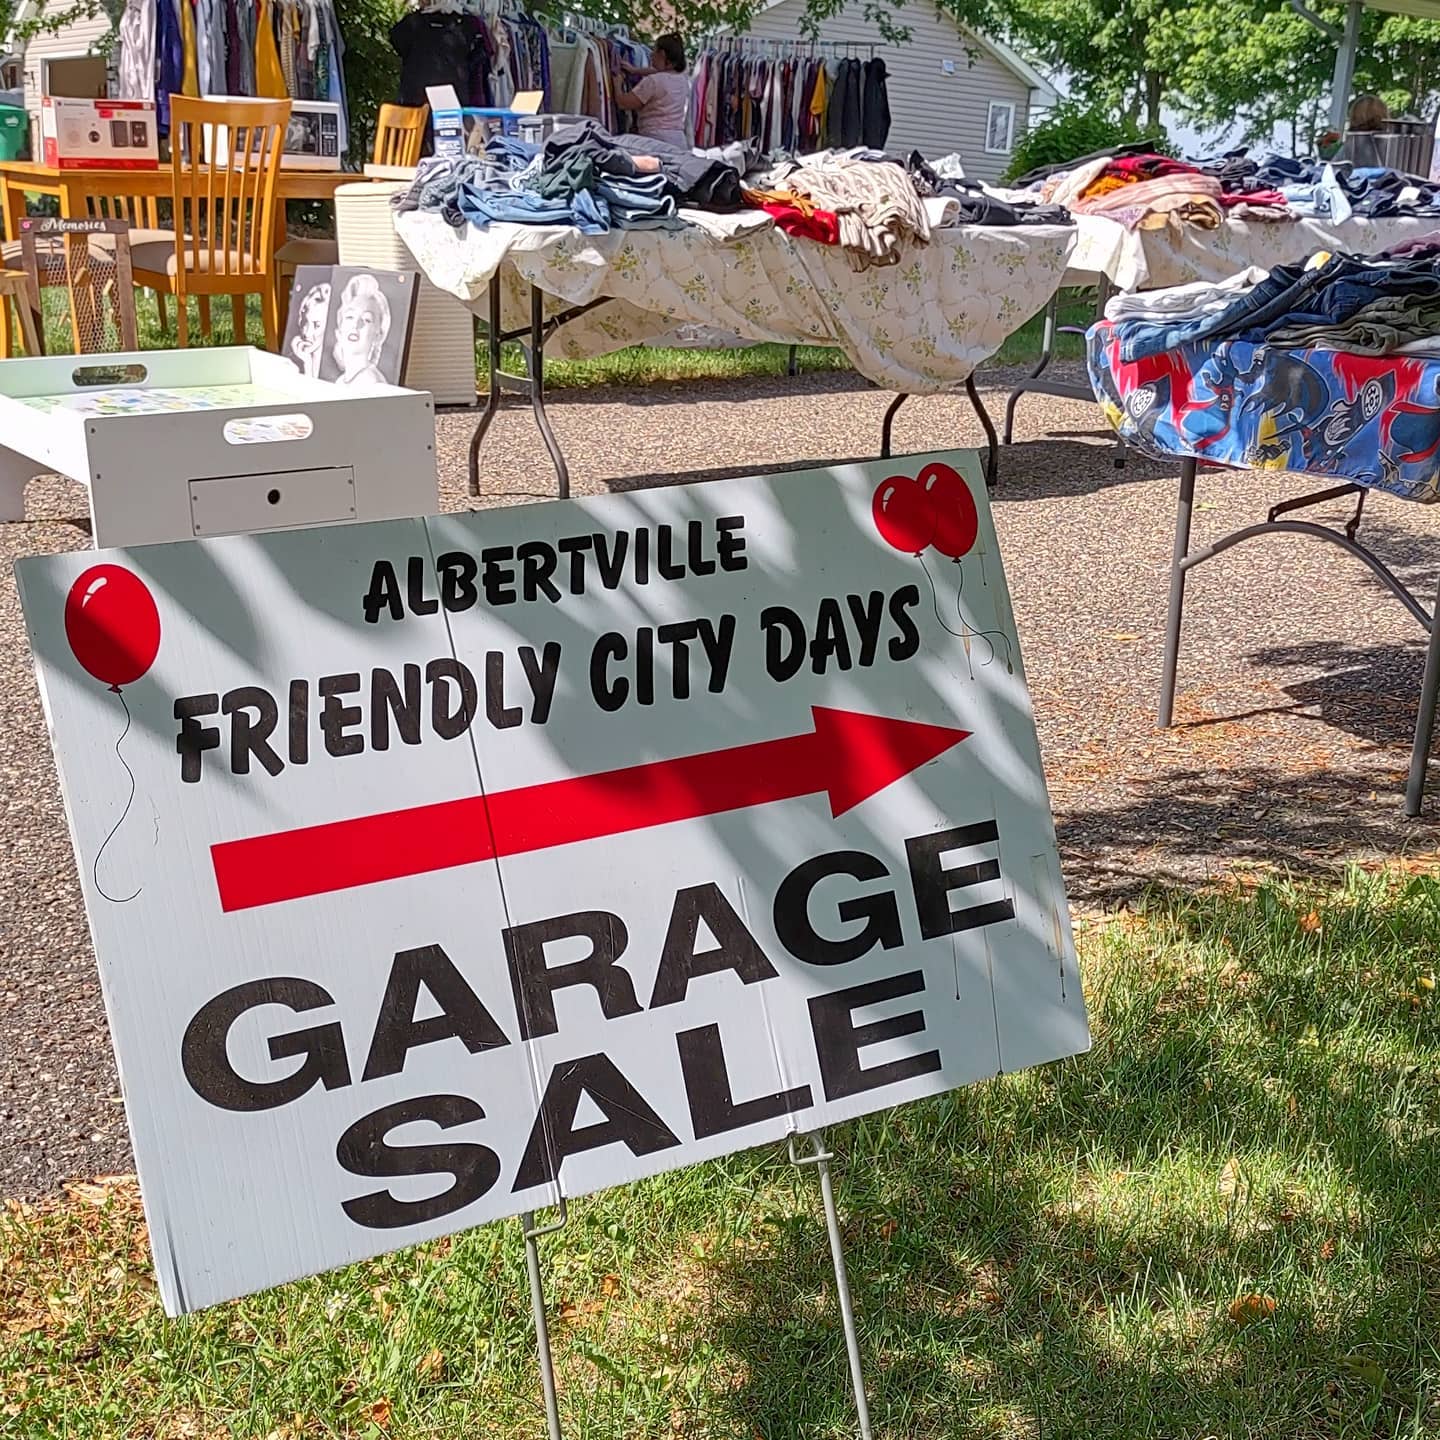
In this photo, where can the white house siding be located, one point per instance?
(79, 37)
(930, 110)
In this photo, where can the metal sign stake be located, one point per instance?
(537, 1308)
(820, 1158)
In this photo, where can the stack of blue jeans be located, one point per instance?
(1292, 295)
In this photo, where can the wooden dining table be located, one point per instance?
(74, 188)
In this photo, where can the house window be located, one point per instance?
(1000, 128)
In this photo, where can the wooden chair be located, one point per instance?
(140, 211)
(399, 136)
(15, 289)
(143, 214)
(224, 241)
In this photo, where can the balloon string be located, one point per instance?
(117, 899)
(984, 634)
(935, 601)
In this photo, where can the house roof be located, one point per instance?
(22, 13)
(1017, 64)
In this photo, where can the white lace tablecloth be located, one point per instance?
(920, 326)
(1176, 255)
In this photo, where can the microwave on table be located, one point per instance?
(312, 138)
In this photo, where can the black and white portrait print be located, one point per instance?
(367, 337)
(304, 341)
(349, 325)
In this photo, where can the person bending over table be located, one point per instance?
(662, 95)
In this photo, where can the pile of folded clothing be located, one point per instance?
(870, 204)
(1327, 367)
(1140, 191)
(872, 201)
(1335, 192)
(967, 202)
(1363, 304)
(582, 176)
(1145, 190)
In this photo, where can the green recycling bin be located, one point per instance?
(13, 127)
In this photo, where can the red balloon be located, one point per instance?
(903, 514)
(957, 522)
(112, 624)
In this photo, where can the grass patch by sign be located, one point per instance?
(1219, 1222)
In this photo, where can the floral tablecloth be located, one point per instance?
(921, 326)
(1176, 254)
(1370, 419)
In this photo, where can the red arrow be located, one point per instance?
(847, 755)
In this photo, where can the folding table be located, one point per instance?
(1360, 422)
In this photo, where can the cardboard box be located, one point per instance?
(98, 134)
(460, 128)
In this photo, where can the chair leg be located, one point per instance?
(204, 317)
(160, 309)
(270, 312)
(182, 322)
(7, 343)
(237, 315)
(30, 323)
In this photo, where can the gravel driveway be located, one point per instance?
(1298, 682)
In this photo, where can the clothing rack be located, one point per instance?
(782, 49)
(792, 96)
(221, 47)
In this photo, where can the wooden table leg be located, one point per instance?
(14, 201)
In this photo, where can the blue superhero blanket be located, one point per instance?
(1370, 419)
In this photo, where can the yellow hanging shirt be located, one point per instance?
(269, 77)
(190, 74)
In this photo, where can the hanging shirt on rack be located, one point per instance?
(190, 71)
(170, 60)
(875, 123)
(137, 50)
(269, 78)
(434, 49)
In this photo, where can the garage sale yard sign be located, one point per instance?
(440, 868)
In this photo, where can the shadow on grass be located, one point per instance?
(1057, 1254)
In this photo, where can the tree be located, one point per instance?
(1215, 62)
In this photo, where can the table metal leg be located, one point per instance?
(493, 392)
(537, 392)
(888, 424)
(1177, 591)
(1047, 351)
(531, 384)
(1424, 719)
(992, 454)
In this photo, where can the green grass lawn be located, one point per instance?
(638, 365)
(1221, 1222)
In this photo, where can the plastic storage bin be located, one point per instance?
(174, 444)
(442, 341)
(14, 128)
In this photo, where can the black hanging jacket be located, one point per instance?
(850, 116)
(876, 129)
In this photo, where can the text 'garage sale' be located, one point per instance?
(482, 859)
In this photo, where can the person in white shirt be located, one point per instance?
(662, 95)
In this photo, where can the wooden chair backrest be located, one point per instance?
(141, 211)
(225, 209)
(399, 134)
